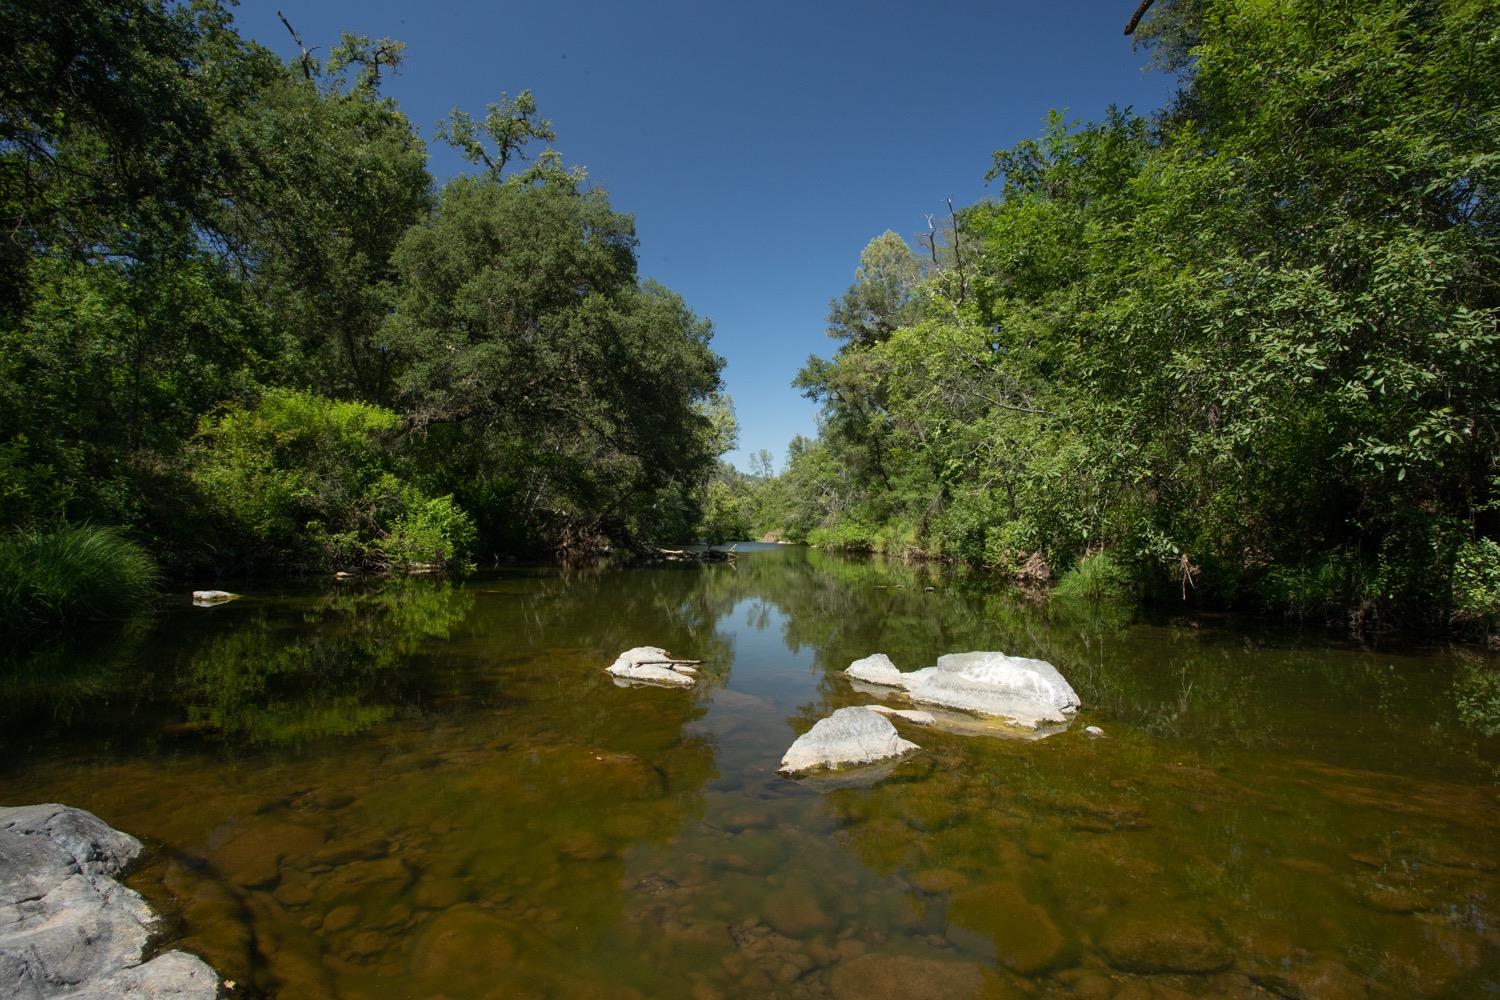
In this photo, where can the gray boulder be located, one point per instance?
(848, 737)
(68, 930)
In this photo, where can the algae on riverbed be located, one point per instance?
(1271, 812)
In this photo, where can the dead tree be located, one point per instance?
(307, 70)
(958, 255)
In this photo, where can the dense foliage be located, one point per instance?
(239, 321)
(1249, 345)
(544, 380)
(307, 481)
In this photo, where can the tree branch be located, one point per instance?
(306, 53)
(958, 255)
(1135, 19)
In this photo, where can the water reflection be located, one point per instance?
(344, 664)
(431, 788)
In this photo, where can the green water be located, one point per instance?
(431, 789)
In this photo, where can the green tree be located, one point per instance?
(1249, 346)
(567, 397)
(510, 125)
(191, 219)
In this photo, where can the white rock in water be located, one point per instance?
(1027, 692)
(1024, 690)
(912, 715)
(876, 668)
(68, 930)
(652, 665)
(1095, 733)
(208, 598)
(847, 737)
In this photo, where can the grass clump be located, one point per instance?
(84, 573)
(1098, 578)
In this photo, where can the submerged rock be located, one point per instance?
(905, 977)
(1163, 941)
(458, 952)
(999, 922)
(846, 738)
(1024, 691)
(208, 598)
(795, 912)
(67, 928)
(1095, 733)
(914, 716)
(652, 665)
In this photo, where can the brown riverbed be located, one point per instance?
(431, 789)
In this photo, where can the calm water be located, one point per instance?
(431, 789)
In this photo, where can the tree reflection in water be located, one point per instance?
(422, 787)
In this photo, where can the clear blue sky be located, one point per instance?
(760, 146)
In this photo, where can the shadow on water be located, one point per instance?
(430, 788)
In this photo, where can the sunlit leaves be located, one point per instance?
(1259, 329)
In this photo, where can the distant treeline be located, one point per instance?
(239, 320)
(1242, 351)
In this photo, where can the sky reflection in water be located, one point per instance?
(425, 788)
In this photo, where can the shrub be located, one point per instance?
(1476, 584)
(848, 536)
(427, 530)
(306, 481)
(1323, 587)
(72, 574)
(1098, 578)
(1014, 549)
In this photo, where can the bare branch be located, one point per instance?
(958, 255)
(306, 52)
(1135, 19)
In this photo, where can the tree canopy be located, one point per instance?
(217, 262)
(1247, 344)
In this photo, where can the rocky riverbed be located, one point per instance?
(439, 791)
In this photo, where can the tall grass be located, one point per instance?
(1098, 578)
(82, 573)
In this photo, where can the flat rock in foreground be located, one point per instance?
(652, 665)
(67, 928)
(1024, 691)
(848, 737)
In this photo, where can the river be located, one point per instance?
(429, 788)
